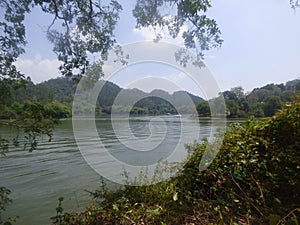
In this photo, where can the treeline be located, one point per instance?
(261, 102)
(27, 95)
(57, 95)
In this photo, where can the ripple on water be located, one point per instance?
(57, 168)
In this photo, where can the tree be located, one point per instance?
(218, 105)
(272, 105)
(87, 27)
(203, 109)
(203, 32)
(236, 102)
(238, 91)
(256, 110)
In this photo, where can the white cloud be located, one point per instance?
(177, 77)
(38, 68)
(149, 34)
(144, 33)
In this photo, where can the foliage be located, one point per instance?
(57, 110)
(203, 109)
(294, 3)
(260, 102)
(202, 32)
(57, 220)
(253, 180)
(4, 202)
(4, 199)
(80, 29)
(61, 91)
(84, 27)
(32, 120)
(255, 172)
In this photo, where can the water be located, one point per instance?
(57, 168)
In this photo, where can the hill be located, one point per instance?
(62, 90)
(260, 102)
(156, 102)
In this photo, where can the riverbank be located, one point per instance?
(253, 180)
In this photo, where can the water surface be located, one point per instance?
(57, 168)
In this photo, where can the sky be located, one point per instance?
(261, 45)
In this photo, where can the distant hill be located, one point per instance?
(156, 102)
(260, 102)
(62, 88)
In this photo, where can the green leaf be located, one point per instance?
(156, 212)
(175, 196)
(115, 207)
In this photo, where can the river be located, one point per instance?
(57, 168)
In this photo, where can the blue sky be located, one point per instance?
(261, 43)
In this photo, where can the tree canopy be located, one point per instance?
(82, 28)
(260, 102)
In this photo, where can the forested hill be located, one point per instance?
(156, 102)
(61, 90)
(260, 102)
